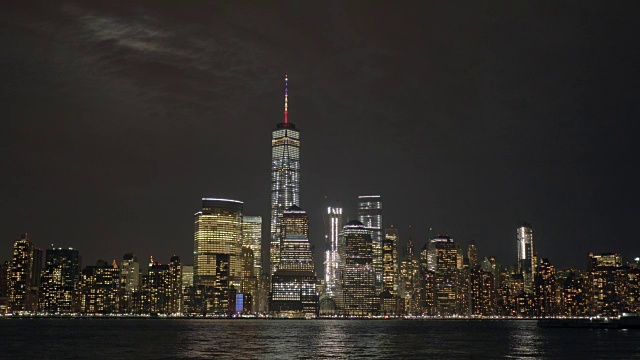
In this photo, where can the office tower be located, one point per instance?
(573, 291)
(294, 222)
(218, 241)
(250, 286)
(390, 260)
(333, 258)
(410, 281)
(358, 287)
(604, 259)
(187, 276)
(526, 262)
(21, 296)
(481, 292)
(60, 279)
(252, 238)
(472, 254)
(605, 278)
(130, 284)
(285, 177)
(442, 258)
(293, 285)
(545, 289)
(38, 265)
(5, 273)
(175, 285)
(99, 288)
(370, 214)
(130, 272)
(162, 287)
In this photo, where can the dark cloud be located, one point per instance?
(467, 118)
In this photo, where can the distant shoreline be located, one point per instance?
(136, 317)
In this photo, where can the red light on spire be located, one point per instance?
(286, 96)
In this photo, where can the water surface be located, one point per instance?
(285, 339)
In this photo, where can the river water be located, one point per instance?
(285, 339)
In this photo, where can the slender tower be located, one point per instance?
(526, 261)
(285, 176)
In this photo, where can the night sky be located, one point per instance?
(117, 118)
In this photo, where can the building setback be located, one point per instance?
(285, 177)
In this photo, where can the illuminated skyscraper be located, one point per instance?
(60, 280)
(293, 285)
(218, 240)
(294, 222)
(358, 287)
(130, 272)
(390, 260)
(442, 258)
(252, 239)
(472, 253)
(526, 261)
(285, 177)
(99, 288)
(22, 277)
(333, 260)
(370, 215)
(130, 282)
(409, 288)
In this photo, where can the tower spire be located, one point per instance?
(286, 95)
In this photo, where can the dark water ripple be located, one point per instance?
(301, 339)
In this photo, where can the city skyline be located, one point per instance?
(113, 159)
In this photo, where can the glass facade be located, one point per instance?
(442, 261)
(335, 248)
(218, 231)
(370, 215)
(285, 182)
(390, 260)
(359, 292)
(293, 285)
(252, 239)
(60, 280)
(21, 295)
(526, 261)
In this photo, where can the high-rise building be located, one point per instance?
(285, 177)
(130, 272)
(333, 258)
(442, 258)
(358, 289)
(293, 285)
(370, 215)
(187, 276)
(526, 261)
(175, 285)
(294, 221)
(218, 231)
(545, 284)
(605, 284)
(60, 279)
(604, 259)
(162, 287)
(22, 277)
(130, 284)
(390, 260)
(481, 292)
(252, 238)
(472, 254)
(99, 288)
(250, 286)
(409, 288)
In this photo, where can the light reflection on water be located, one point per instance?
(524, 342)
(285, 339)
